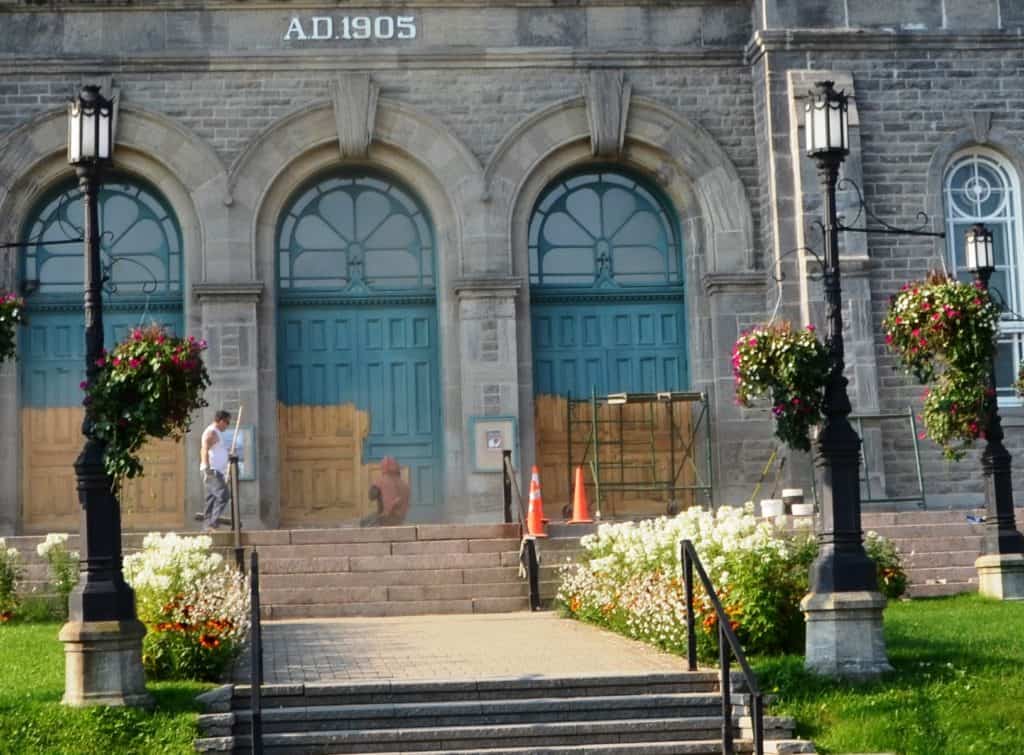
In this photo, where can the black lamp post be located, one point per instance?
(842, 564)
(843, 608)
(1001, 535)
(103, 635)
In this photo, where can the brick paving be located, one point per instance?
(452, 647)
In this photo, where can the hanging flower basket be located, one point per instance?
(791, 366)
(147, 387)
(12, 314)
(944, 333)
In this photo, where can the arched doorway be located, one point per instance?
(607, 316)
(357, 347)
(141, 251)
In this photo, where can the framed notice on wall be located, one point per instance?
(245, 449)
(489, 437)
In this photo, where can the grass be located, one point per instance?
(32, 719)
(957, 687)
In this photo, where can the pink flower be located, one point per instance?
(810, 328)
(100, 362)
(888, 337)
(137, 335)
(134, 363)
(202, 344)
(922, 435)
(83, 385)
(116, 361)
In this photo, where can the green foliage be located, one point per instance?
(892, 579)
(33, 720)
(147, 387)
(10, 573)
(195, 606)
(12, 314)
(944, 333)
(956, 688)
(63, 567)
(793, 368)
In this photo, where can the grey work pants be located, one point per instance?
(218, 496)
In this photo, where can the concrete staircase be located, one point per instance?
(675, 713)
(939, 547)
(389, 571)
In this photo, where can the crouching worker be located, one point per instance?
(391, 493)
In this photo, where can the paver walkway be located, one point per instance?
(451, 647)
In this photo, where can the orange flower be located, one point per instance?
(208, 641)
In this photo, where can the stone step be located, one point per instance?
(389, 592)
(931, 532)
(914, 560)
(478, 713)
(940, 589)
(677, 747)
(873, 520)
(435, 561)
(361, 693)
(690, 747)
(939, 544)
(532, 736)
(394, 608)
(947, 573)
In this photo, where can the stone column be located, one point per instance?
(228, 316)
(489, 349)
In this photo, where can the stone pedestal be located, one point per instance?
(103, 663)
(844, 634)
(1001, 576)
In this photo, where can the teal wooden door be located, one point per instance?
(357, 348)
(606, 285)
(608, 347)
(141, 253)
(382, 360)
(54, 353)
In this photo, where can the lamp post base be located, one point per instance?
(1001, 576)
(844, 634)
(103, 664)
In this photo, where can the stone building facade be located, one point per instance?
(253, 140)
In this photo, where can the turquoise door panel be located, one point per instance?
(608, 347)
(54, 355)
(382, 359)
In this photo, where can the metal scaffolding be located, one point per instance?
(635, 443)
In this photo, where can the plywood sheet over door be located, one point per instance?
(52, 440)
(358, 383)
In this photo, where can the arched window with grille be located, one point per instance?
(981, 186)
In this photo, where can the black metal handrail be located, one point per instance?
(256, 655)
(726, 640)
(528, 557)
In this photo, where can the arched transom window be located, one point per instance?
(140, 242)
(982, 187)
(602, 229)
(356, 234)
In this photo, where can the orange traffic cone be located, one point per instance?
(535, 514)
(580, 507)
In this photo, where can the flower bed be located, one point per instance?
(10, 573)
(195, 607)
(628, 579)
(147, 387)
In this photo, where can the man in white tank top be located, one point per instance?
(213, 464)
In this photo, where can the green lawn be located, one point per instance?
(958, 685)
(32, 720)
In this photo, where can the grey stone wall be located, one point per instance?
(476, 112)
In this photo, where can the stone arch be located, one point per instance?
(187, 172)
(696, 175)
(431, 162)
(687, 162)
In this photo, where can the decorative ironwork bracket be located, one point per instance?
(880, 225)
